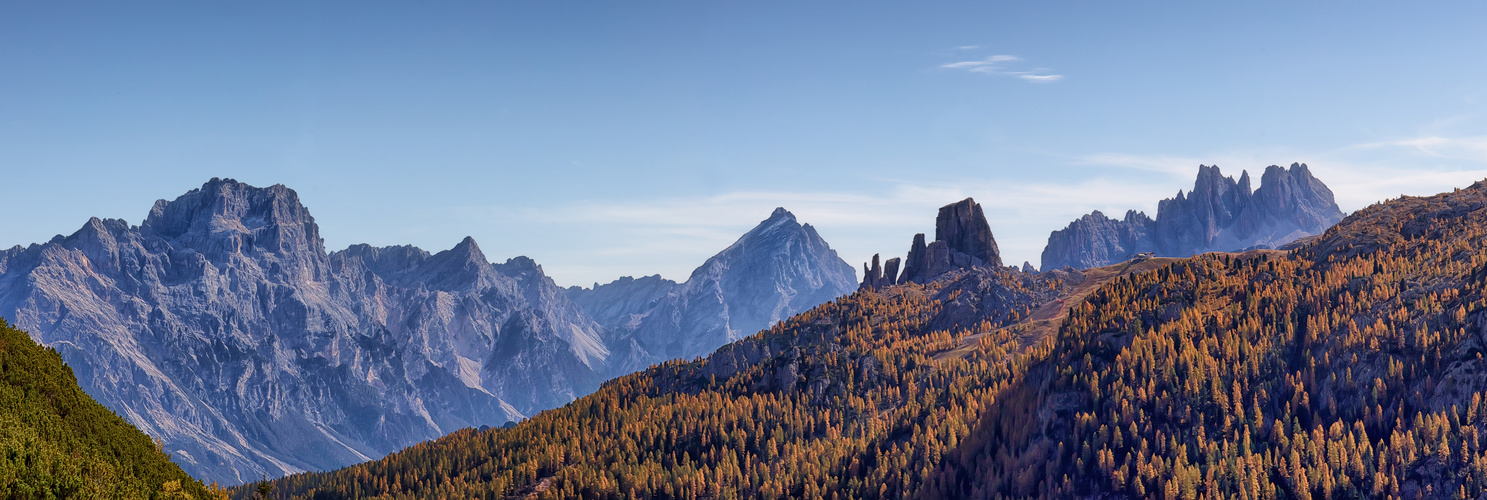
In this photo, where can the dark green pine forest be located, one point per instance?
(1347, 367)
(56, 442)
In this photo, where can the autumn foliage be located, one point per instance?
(1350, 367)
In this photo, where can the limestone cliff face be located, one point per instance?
(1219, 214)
(776, 270)
(223, 327)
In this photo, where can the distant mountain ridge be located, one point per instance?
(1219, 214)
(222, 326)
(777, 269)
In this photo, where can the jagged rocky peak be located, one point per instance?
(777, 269)
(225, 215)
(780, 213)
(521, 267)
(1295, 192)
(1219, 214)
(459, 267)
(385, 261)
(963, 239)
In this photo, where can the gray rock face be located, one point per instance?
(222, 326)
(1219, 214)
(963, 239)
(774, 271)
(877, 277)
(1096, 240)
(963, 228)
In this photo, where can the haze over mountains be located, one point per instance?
(1219, 214)
(223, 326)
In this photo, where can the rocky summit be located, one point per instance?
(778, 269)
(962, 240)
(1219, 214)
(223, 327)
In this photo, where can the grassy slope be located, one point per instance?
(56, 442)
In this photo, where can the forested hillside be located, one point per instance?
(844, 400)
(1349, 367)
(56, 442)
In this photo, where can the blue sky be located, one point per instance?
(632, 138)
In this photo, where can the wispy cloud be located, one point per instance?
(991, 64)
(1002, 64)
(1041, 78)
(968, 47)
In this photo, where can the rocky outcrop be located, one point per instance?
(1219, 214)
(776, 270)
(963, 228)
(876, 277)
(963, 239)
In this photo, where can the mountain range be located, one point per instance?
(222, 326)
(1219, 214)
(1349, 366)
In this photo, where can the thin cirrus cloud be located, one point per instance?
(1003, 64)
